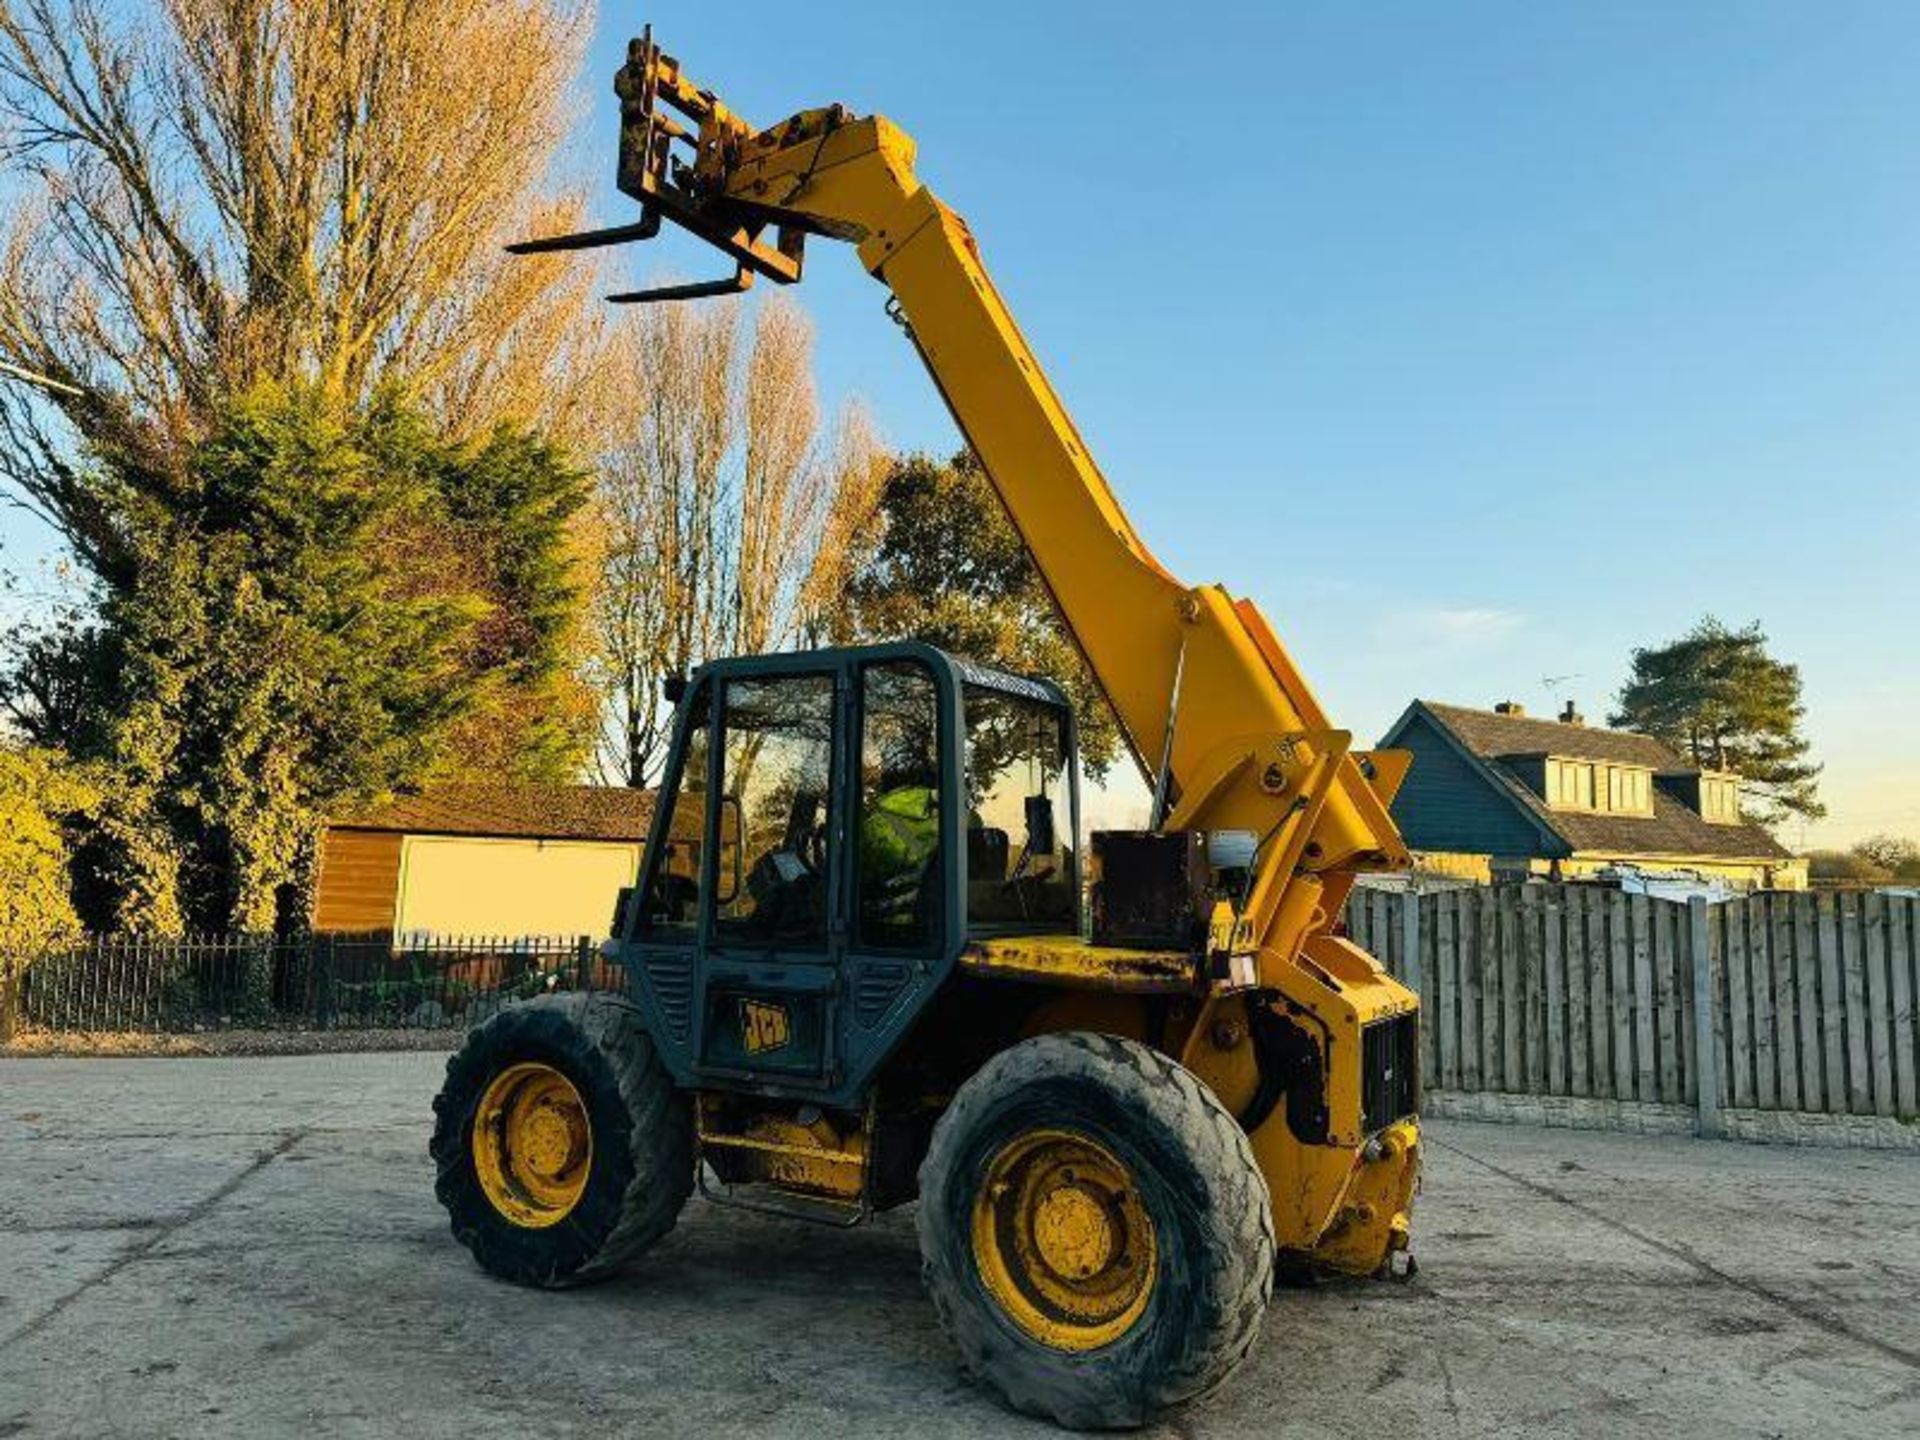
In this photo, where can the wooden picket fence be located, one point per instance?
(1804, 1002)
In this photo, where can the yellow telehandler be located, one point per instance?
(859, 968)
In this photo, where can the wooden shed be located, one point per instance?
(494, 860)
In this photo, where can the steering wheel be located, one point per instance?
(806, 837)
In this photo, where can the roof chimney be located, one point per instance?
(1571, 716)
(1510, 707)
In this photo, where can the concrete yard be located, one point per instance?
(251, 1247)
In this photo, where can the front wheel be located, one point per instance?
(561, 1146)
(1095, 1231)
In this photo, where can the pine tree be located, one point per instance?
(1720, 699)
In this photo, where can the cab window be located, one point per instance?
(1020, 863)
(776, 765)
(897, 873)
(672, 908)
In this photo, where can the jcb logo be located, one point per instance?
(763, 1027)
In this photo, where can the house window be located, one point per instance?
(1599, 787)
(1627, 790)
(1720, 799)
(1570, 784)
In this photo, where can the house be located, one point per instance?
(1500, 795)
(507, 861)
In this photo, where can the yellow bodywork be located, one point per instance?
(807, 1157)
(1251, 748)
(1346, 1204)
(1071, 961)
(1247, 746)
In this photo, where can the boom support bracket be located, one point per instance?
(689, 189)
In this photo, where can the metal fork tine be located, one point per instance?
(742, 281)
(645, 228)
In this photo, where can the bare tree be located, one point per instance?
(219, 190)
(728, 517)
(850, 529)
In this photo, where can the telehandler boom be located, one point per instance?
(858, 965)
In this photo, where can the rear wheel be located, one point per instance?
(561, 1146)
(1094, 1230)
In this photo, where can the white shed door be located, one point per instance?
(460, 885)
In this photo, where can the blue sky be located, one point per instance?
(1477, 342)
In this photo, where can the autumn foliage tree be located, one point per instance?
(946, 566)
(217, 191)
(308, 434)
(1876, 860)
(40, 795)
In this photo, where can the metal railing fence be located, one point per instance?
(179, 985)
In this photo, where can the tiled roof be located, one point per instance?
(530, 812)
(1674, 828)
(1490, 736)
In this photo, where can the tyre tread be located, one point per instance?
(597, 1029)
(1236, 1235)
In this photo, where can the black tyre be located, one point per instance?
(562, 1148)
(1094, 1230)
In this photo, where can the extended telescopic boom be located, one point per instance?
(1212, 707)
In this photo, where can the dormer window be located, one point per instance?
(1598, 786)
(1570, 784)
(1713, 795)
(1629, 790)
(1720, 799)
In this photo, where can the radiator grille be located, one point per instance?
(1389, 1070)
(671, 973)
(875, 988)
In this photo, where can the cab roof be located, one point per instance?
(964, 669)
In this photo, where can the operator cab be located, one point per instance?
(834, 828)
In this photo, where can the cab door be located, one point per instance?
(666, 919)
(901, 851)
(768, 984)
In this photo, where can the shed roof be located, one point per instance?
(1674, 828)
(522, 812)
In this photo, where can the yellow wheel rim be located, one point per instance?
(532, 1145)
(1062, 1241)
